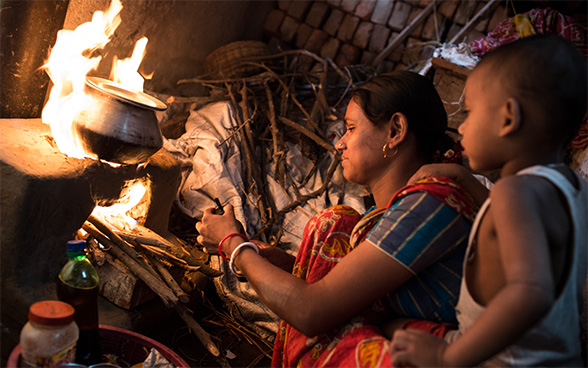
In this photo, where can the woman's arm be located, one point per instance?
(358, 280)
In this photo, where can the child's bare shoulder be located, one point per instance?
(529, 192)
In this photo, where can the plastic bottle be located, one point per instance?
(78, 286)
(49, 338)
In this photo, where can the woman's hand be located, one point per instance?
(414, 348)
(456, 172)
(213, 228)
(451, 171)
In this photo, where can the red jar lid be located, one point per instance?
(51, 313)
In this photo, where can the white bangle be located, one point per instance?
(236, 251)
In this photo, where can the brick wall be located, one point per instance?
(357, 31)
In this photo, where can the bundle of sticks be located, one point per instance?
(147, 255)
(287, 101)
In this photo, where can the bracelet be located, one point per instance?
(220, 252)
(247, 244)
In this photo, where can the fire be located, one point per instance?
(118, 215)
(71, 59)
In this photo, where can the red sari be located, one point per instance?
(327, 238)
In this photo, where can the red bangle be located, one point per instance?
(227, 237)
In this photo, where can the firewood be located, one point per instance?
(170, 281)
(202, 335)
(157, 285)
(154, 282)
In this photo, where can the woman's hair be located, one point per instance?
(412, 95)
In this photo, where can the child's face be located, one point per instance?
(483, 98)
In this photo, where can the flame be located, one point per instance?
(117, 214)
(124, 71)
(72, 57)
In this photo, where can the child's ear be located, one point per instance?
(511, 112)
(398, 127)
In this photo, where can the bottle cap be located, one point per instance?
(51, 313)
(76, 245)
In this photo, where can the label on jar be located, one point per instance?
(67, 355)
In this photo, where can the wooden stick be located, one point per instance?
(404, 34)
(157, 285)
(122, 244)
(170, 281)
(130, 237)
(200, 333)
(154, 283)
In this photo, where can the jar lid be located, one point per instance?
(51, 313)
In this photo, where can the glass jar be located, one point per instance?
(49, 338)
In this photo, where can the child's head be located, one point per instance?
(544, 72)
(540, 80)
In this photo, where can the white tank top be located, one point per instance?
(555, 340)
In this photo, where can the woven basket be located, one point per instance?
(230, 60)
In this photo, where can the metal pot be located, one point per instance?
(120, 125)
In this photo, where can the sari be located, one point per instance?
(327, 238)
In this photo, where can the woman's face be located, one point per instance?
(362, 158)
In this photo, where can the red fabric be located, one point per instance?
(434, 328)
(326, 240)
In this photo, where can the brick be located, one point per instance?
(453, 30)
(416, 32)
(299, 8)
(273, 21)
(379, 38)
(365, 8)
(448, 7)
(432, 30)
(316, 40)
(317, 14)
(288, 28)
(363, 34)
(334, 22)
(330, 48)
(348, 27)
(464, 12)
(482, 23)
(399, 16)
(499, 16)
(284, 4)
(334, 3)
(367, 58)
(397, 53)
(302, 34)
(349, 5)
(385, 67)
(382, 11)
(347, 55)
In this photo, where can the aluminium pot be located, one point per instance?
(120, 124)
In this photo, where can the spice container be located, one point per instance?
(49, 338)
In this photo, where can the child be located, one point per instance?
(525, 270)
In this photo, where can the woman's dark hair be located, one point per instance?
(412, 95)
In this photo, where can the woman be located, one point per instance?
(400, 259)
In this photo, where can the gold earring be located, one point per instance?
(389, 145)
